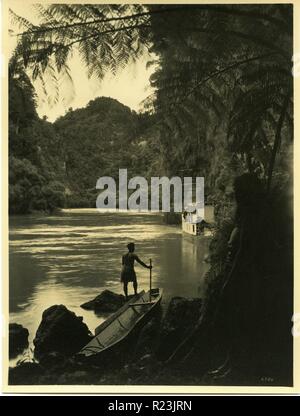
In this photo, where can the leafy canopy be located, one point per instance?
(227, 66)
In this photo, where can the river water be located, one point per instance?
(71, 257)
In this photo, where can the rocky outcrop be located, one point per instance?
(18, 339)
(107, 301)
(61, 334)
(147, 339)
(53, 360)
(60, 331)
(181, 316)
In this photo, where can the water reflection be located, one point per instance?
(71, 257)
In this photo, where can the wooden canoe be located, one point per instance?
(120, 324)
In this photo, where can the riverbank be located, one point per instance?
(147, 357)
(142, 359)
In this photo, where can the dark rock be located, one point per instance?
(76, 377)
(60, 331)
(18, 339)
(181, 316)
(148, 336)
(25, 373)
(53, 360)
(107, 301)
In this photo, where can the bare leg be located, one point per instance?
(135, 286)
(125, 288)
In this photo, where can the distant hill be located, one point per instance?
(98, 140)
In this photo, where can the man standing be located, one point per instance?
(128, 272)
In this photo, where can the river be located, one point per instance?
(70, 257)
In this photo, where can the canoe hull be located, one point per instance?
(112, 337)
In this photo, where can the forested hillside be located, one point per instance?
(55, 165)
(36, 177)
(98, 140)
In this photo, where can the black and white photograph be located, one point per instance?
(150, 196)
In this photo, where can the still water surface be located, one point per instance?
(69, 258)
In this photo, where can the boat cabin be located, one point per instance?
(198, 221)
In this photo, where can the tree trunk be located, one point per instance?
(277, 140)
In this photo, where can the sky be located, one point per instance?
(130, 86)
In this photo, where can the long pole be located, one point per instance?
(150, 280)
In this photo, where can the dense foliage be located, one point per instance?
(98, 140)
(35, 174)
(57, 164)
(223, 82)
(223, 79)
